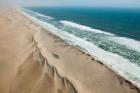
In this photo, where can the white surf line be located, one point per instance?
(130, 43)
(82, 27)
(39, 14)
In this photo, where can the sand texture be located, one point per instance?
(32, 60)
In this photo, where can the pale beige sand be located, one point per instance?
(33, 60)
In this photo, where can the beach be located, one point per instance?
(33, 60)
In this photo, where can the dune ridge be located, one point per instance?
(49, 78)
(33, 60)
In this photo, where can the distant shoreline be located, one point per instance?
(85, 7)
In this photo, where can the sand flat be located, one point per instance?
(32, 60)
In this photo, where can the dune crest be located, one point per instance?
(33, 60)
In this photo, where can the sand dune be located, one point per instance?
(33, 60)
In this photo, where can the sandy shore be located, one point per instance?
(32, 60)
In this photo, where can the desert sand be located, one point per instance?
(33, 60)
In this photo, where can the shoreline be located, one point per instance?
(87, 54)
(118, 69)
(45, 63)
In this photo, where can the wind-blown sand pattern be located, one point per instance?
(32, 60)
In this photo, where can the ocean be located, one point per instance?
(124, 22)
(108, 34)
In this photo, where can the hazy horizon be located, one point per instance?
(73, 3)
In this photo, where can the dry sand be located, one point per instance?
(33, 60)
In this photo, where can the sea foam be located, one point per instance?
(133, 44)
(38, 14)
(83, 27)
(130, 43)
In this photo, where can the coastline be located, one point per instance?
(113, 61)
(46, 63)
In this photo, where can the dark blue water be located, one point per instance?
(123, 22)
